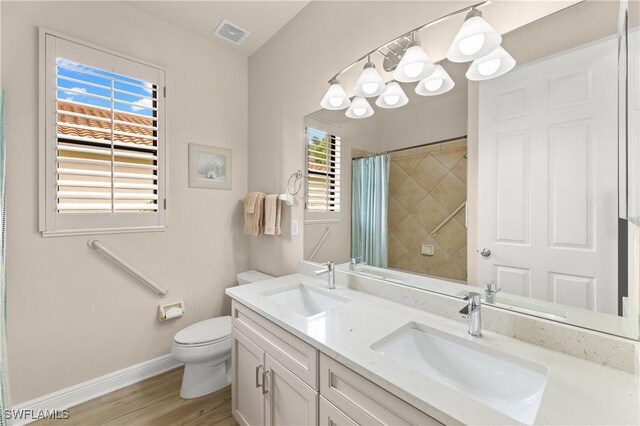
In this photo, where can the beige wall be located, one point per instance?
(426, 185)
(73, 315)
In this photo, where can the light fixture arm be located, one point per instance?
(412, 32)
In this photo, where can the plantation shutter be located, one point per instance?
(107, 151)
(323, 172)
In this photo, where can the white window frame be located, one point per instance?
(51, 222)
(328, 216)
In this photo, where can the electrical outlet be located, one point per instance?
(295, 227)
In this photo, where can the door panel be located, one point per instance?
(289, 401)
(247, 365)
(548, 179)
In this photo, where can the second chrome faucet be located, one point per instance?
(472, 312)
(330, 270)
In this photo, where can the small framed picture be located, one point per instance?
(209, 167)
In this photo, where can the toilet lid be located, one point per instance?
(207, 331)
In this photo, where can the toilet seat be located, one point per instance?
(205, 332)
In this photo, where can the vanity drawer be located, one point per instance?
(296, 355)
(363, 401)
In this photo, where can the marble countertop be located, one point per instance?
(577, 391)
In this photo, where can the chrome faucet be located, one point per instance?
(330, 270)
(491, 288)
(472, 311)
(354, 262)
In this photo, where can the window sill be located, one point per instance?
(98, 231)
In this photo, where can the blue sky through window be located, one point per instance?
(317, 133)
(86, 79)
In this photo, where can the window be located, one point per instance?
(103, 141)
(323, 172)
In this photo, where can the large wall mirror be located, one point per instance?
(528, 181)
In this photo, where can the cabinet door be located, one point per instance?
(246, 387)
(289, 400)
(331, 416)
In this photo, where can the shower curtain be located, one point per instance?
(4, 389)
(369, 199)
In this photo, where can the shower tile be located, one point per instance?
(460, 216)
(452, 236)
(450, 191)
(439, 257)
(409, 194)
(429, 172)
(449, 157)
(410, 233)
(429, 213)
(460, 169)
(450, 270)
(396, 213)
(460, 257)
(397, 250)
(408, 164)
(396, 176)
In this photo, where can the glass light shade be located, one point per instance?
(369, 83)
(475, 39)
(335, 98)
(359, 108)
(493, 65)
(414, 66)
(392, 97)
(437, 83)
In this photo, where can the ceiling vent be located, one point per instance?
(231, 32)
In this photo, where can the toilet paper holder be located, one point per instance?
(170, 311)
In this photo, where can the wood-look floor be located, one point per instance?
(152, 402)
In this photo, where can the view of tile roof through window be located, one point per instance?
(119, 117)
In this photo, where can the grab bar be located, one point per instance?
(320, 243)
(97, 245)
(447, 219)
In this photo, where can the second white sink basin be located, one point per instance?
(306, 300)
(505, 383)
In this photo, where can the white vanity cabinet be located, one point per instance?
(274, 373)
(278, 379)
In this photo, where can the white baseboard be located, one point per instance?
(74, 395)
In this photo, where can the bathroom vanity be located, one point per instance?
(303, 354)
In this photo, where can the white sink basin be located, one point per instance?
(505, 383)
(306, 300)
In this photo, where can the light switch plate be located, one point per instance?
(295, 227)
(428, 249)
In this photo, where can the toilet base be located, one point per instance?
(203, 378)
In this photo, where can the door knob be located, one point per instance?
(485, 252)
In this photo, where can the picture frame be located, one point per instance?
(209, 167)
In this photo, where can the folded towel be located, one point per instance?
(272, 215)
(253, 213)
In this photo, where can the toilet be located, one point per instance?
(205, 349)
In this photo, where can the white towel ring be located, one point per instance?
(297, 183)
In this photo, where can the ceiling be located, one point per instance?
(261, 18)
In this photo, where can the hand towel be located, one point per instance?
(253, 213)
(272, 215)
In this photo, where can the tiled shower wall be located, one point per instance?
(426, 184)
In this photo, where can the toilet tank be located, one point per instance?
(248, 277)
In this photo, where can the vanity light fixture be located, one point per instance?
(392, 97)
(437, 83)
(492, 65)
(475, 39)
(359, 108)
(414, 65)
(335, 98)
(369, 83)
